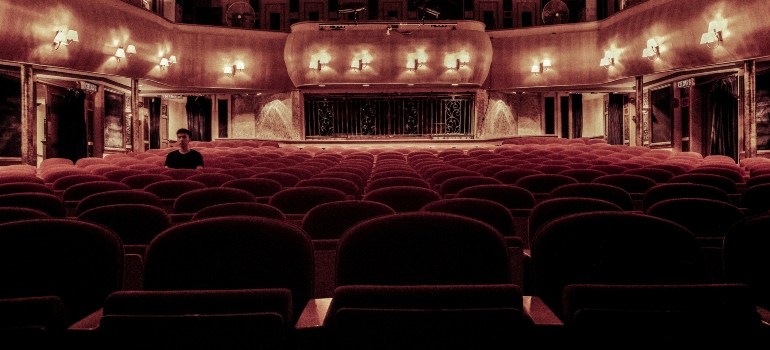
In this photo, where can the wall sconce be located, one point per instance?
(320, 60)
(361, 61)
(652, 51)
(713, 35)
(121, 53)
(608, 60)
(238, 67)
(65, 39)
(455, 61)
(164, 63)
(542, 67)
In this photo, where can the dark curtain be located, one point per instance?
(154, 108)
(72, 126)
(199, 117)
(577, 116)
(10, 117)
(723, 115)
(615, 120)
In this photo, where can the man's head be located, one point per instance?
(183, 137)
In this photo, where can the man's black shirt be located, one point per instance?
(189, 160)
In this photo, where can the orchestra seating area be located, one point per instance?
(528, 241)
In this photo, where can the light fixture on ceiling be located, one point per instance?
(713, 37)
(64, 37)
(608, 60)
(652, 51)
(541, 67)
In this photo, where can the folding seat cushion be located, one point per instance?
(8, 214)
(83, 190)
(299, 200)
(349, 187)
(79, 262)
(554, 208)
(142, 180)
(195, 200)
(665, 191)
(47, 203)
(612, 248)
(610, 193)
(428, 316)
(118, 197)
(20, 177)
(658, 175)
(24, 187)
(212, 180)
(510, 176)
(403, 198)
(285, 179)
(135, 224)
(239, 209)
(231, 319)
(450, 187)
(256, 253)
(693, 315)
(38, 322)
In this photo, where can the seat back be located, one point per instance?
(434, 249)
(331, 220)
(256, 253)
(613, 248)
(484, 210)
(555, 208)
(47, 203)
(745, 256)
(299, 200)
(79, 262)
(239, 209)
(134, 223)
(511, 197)
(118, 197)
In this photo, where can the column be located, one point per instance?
(638, 118)
(749, 116)
(28, 117)
(137, 130)
(590, 10)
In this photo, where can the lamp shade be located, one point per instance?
(130, 49)
(120, 53)
(164, 62)
(72, 35)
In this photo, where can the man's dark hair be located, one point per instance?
(184, 131)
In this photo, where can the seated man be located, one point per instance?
(184, 157)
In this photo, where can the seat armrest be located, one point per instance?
(540, 314)
(89, 324)
(314, 314)
(765, 314)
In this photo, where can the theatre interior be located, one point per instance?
(385, 174)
